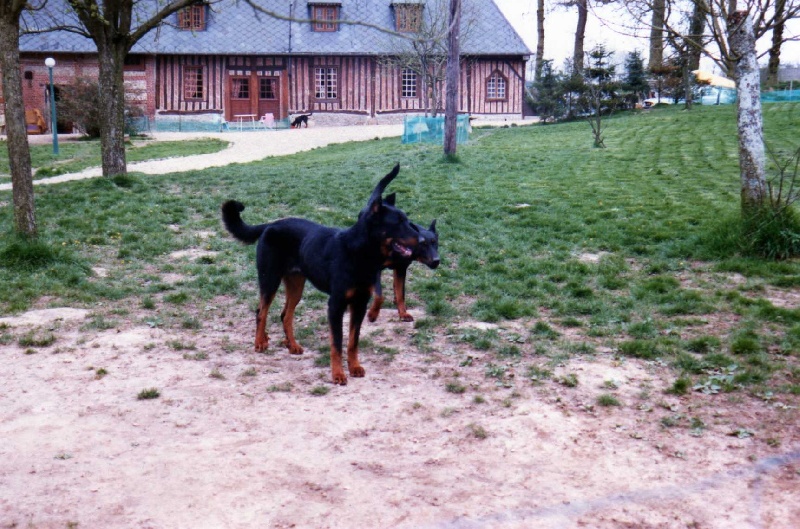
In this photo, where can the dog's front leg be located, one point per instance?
(377, 303)
(358, 308)
(400, 294)
(335, 320)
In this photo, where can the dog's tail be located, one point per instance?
(381, 187)
(232, 219)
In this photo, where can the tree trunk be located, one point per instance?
(749, 121)
(580, 34)
(696, 29)
(656, 59)
(112, 100)
(540, 40)
(19, 155)
(777, 39)
(453, 72)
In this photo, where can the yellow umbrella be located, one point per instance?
(714, 80)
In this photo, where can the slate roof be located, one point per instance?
(233, 28)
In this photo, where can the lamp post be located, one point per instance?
(50, 62)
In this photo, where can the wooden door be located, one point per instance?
(269, 96)
(240, 96)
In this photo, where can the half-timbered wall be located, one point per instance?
(474, 78)
(169, 83)
(370, 86)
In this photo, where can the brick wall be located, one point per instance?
(139, 78)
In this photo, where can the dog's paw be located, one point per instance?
(262, 344)
(357, 371)
(406, 317)
(294, 348)
(372, 315)
(339, 378)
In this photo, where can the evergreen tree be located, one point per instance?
(636, 82)
(548, 102)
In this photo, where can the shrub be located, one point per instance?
(79, 103)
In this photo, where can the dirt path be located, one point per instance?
(244, 147)
(244, 440)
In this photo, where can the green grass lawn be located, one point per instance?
(619, 246)
(75, 156)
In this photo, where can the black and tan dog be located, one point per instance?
(426, 252)
(343, 263)
(300, 120)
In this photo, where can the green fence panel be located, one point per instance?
(422, 129)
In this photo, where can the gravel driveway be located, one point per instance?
(244, 147)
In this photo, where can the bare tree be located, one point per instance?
(750, 127)
(114, 26)
(452, 82)
(19, 155)
(777, 40)
(580, 33)
(656, 59)
(699, 23)
(539, 40)
(425, 51)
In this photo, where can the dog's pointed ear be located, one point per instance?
(390, 199)
(433, 226)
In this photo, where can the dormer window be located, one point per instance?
(407, 16)
(325, 15)
(192, 18)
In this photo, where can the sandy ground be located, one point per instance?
(238, 439)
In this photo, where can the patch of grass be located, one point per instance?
(606, 399)
(320, 391)
(286, 387)
(745, 344)
(180, 345)
(569, 380)
(537, 374)
(681, 386)
(644, 349)
(455, 387)
(479, 339)
(477, 431)
(37, 338)
(148, 394)
(703, 344)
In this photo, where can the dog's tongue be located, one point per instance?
(405, 251)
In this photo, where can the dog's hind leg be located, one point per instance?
(400, 294)
(262, 338)
(269, 279)
(294, 291)
(358, 308)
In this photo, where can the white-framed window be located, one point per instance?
(496, 86)
(326, 84)
(408, 83)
